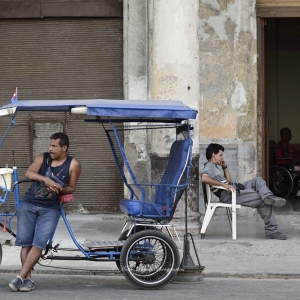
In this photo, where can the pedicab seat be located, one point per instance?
(168, 192)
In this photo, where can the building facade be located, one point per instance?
(217, 56)
(225, 58)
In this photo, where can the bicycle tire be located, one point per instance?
(124, 237)
(149, 259)
(280, 181)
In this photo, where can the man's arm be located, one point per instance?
(226, 172)
(286, 150)
(33, 172)
(206, 179)
(75, 170)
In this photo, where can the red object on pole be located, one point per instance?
(4, 226)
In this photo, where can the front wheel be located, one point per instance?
(149, 259)
(0, 253)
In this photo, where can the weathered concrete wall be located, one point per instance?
(203, 53)
(227, 70)
(136, 80)
(162, 62)
(175, 75)
(228, 74)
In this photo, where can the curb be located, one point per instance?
(87, 272)
(63, 271)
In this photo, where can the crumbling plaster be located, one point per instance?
(228, 112)
(175, 53)
(203, 53)
(161, 61)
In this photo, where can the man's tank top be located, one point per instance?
(38, 193)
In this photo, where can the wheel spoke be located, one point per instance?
(149, 259)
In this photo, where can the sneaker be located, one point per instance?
(274, 200)
(27, 285)
(16, 283)
(276, 236)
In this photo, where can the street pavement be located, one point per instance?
(250, 256)
(77, 287)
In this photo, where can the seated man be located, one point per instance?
(54, 173)
(284, 148)
(253, 193)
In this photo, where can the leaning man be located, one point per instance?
(54, 174)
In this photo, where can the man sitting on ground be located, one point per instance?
(253, 193)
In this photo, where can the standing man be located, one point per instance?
(54, 174)
(253, 193)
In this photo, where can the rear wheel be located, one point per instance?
(149, 259)
(280, 181)
(0, 253)
(124, 237)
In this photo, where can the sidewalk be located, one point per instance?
(251, 255)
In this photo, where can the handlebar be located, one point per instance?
(20, 181)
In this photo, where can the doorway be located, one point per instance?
(282, 85)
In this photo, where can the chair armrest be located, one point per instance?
(233, 195)
(285, 157)
(221, 187)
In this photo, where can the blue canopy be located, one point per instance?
(120, 109)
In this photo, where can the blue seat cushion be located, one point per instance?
(133, 207)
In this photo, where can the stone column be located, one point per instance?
(161, 62)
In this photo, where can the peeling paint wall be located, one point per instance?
(175, 76)
(228, 83)
(228, 69)
(203, 53)
(162, 62)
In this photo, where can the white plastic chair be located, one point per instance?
(211, 207)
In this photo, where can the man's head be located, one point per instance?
(63, 139)
(285, 133)
(59, 144)
(214, 153)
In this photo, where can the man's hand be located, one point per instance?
(52, 186)
(223, 164)
(229, 188)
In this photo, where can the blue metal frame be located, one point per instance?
(125, 111)
(6, 216)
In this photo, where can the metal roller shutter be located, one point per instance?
(65, 58)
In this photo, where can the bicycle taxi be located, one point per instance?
(145, 253)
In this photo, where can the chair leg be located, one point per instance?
(234, 225)
(229, 216)
(208, 215)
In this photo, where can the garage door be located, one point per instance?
(64, 58)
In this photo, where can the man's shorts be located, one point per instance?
(35, 225)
